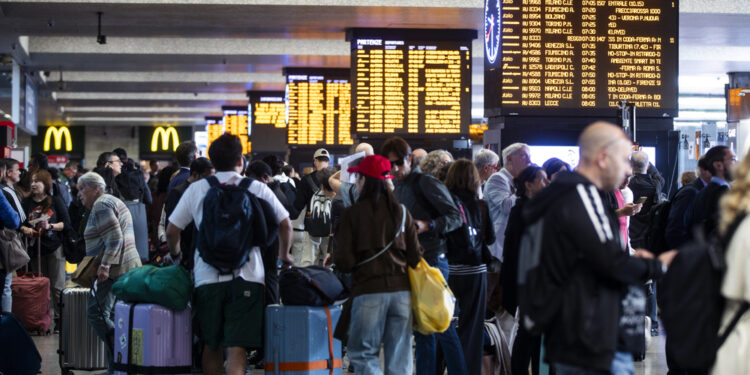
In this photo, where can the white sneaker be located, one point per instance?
(648, 332)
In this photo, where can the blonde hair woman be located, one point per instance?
(732, 357)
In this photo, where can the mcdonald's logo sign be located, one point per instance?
(58, 134)
(165, 134)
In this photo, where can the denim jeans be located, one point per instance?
(100, 313)
(7, 298)
(622, 364)
(381, 318)
(449, 342)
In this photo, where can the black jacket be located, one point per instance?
(509, 272)
(428, 199)
(642, 185)
(704, 213)
(306, 188)
(468, 246)
(586, 270)
(676, 232)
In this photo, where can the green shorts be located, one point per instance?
(230, 314)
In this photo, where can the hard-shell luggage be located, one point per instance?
(31, 298)
(80, 347)
(18, 354)
(31, 302)
(299, 340)
(152, 339)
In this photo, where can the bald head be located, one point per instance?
(639, 162)
(366, 148)
(596, 138)
(605, 153)
(417, 156)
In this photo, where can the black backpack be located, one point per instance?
(539, 299)
(691, 302)
(310, 286)
(465, 242)
(318, 220)
(233, 222)
(655, 236)
(130, 182)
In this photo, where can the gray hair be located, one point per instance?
(510, 150)
(485, 157)
(433, 162)
(93, 180)
(639, 162)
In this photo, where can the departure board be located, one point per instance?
(235, 122)
(580, 57)
(318, 105)
(214, 129)
(266, 114)
(411, 81)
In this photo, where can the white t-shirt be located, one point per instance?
(190, 208)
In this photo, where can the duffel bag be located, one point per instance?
(168, 286)
(310, 286)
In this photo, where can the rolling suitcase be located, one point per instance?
(299, 340)
(18, 354)
(152, 339)
(31, 299)
(80, 347)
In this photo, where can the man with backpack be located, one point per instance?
(435, 214)
(573, 270)
(642, 185)
(676, 230)
(236, 218)
(704, 214)
(304, 200)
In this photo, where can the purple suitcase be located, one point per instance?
(158, 339)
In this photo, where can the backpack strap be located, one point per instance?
(733, 323)
(212, 181)
(398, 233)
(245, 183)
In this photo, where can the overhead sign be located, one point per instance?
(411, 82)
(58, 134)
(266, 119)
(60, 140)
(580, 58)
(165, 135)
(162, 141)
(318, 106)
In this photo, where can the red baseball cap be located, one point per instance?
(374, 166)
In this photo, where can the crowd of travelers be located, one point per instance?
(560, 259)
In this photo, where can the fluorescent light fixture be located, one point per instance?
(196, 120)
(141, 109)
(702, 103)
(701, 116)
(150, 96)
(180, 77)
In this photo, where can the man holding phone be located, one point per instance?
(646, 191)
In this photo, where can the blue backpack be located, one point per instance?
(234, 220)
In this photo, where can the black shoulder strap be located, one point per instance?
(245, 183)
(212, 181)
(733, 323)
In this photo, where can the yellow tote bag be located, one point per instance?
(432, 302)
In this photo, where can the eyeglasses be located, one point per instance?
(398, 163)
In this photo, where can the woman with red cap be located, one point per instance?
(377, 239)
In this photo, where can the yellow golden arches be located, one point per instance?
(58, 134)
(166, 135)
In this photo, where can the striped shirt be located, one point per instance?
(109, 234)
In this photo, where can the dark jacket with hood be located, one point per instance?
(586, 271)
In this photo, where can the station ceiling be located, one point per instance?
(176, 61)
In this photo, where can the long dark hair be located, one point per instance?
(529, 174)
(374, 190)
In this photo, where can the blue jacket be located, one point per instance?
(8, 216)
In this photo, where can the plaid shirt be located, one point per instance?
(109, 232)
